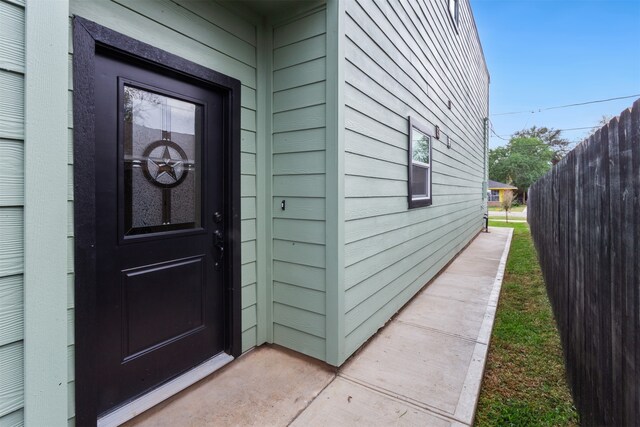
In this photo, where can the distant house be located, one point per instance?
(185, 180)
(496, 192)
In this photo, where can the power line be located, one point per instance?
(535, 145)
(494, 132)
(542, 144)
(566, 106)
(561, 130)
(582, 128)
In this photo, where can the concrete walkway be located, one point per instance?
(424, 367)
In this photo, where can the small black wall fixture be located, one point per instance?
(88, 37)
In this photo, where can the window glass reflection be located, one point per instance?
(162, 145)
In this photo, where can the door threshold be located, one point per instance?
(147, 401)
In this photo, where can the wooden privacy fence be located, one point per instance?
(585, 221)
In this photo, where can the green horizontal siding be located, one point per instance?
(14, 419)
(368, 276)
(11, 378)
(165, 35)
(11, 309)
(299, 296)
(299, 275)
(397, 66)
(197, 28)
(11, 173)
(299, 141)
(383, 304)
(310, 208)
(298, 168)
(11, 105)
(300, 51)
(299, 230)
(12, 37)
(11, 241)
(298, 75)
(298, 340)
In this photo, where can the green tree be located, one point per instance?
(521, 162)
(550, 136)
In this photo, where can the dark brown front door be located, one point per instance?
(160, 227)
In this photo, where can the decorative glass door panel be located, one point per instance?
(162, 167)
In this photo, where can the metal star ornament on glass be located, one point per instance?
(165, 164)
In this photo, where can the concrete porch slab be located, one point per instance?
(346, 403)
(266, 387)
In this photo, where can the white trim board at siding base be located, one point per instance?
(173, 387)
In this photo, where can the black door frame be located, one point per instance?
(89, 37)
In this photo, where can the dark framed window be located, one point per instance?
(454, 12)
(162, 145)
(420, 165)
(494, 195)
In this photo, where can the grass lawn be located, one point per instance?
(524, 383)
(513, 209)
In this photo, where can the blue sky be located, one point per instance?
(545, 53)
